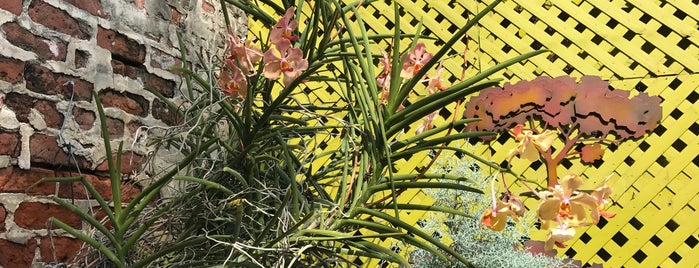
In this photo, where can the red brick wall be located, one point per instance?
(53, 53)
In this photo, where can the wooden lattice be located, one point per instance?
(640, 45)
(646, 46)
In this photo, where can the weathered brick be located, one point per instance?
(140, 4)
(44, 150)
(36, 215)
(176, 16)
(99, 214)
(129, 71)
(17, 255)
(3, 213)
(44, 48)
(162, 60)
(59, 249)
(115, 127)
(133, 126)
(91, 6)
(14, 6)
(101, 185)
(130, 163)
(15, 180)
(84, 118)
(164, 113)
(81, 58)
(122, 47)
(42, 80)
(51, 115)
(10, 144)
(207, 7)
(11, 70)
(127, 102)
(164, 86)
(57, 20)
(21, 104)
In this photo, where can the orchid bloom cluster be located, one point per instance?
(580, 113)
(238, 65)
(495, 217)
(413, 62)
(282, 58)
(563, 207)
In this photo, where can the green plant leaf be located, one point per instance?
(408, 227)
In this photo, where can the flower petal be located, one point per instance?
(516, 205)
(585, 201)
(602, 193)
(559, 235)
(545, 139)
(570, 183)
(548, 210)
(530, 153)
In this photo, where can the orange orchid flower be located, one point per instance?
(284, 28)
(530, 144)
(289, 61)
(415, 60)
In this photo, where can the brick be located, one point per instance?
(81, 59)
(129, 71)
(162, 60)
(127, 102)
(130, 163)
(140, 4)
(11, 70)
(164, 86)
(176, 16)
(133, 127)
(10, 144)
(84, 118)
(21, 104)
(17, 255)
(207, 7)
(13, 6)
(51, 115)
(102, 185)
(115, 128)
(3, 213)
(57, 20)
(44, 150)
(122, 47)
(99, 214)
(91, 6)
(15, 180)
(42, 80)
(44, 48)
(164, 113)
(36, 215)
(59, 249)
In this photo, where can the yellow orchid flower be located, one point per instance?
(530, 144)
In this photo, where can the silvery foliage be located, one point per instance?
(483, 247)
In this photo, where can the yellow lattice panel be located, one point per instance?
(639, 45)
